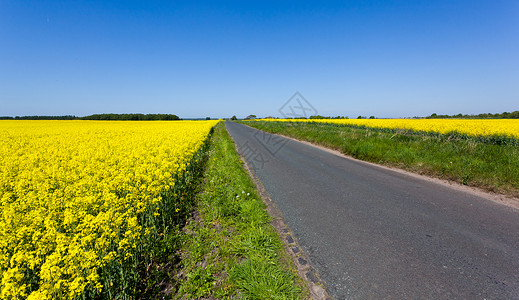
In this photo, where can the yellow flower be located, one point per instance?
(470, 127)
(72, 193)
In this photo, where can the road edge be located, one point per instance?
(309, 274)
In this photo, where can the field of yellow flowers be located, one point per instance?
(505, 128)
(79, 200)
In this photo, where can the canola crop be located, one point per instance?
(80, 199)
(507, 128)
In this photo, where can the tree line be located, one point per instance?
(40, 118)
(105, 117)
(132, 117)
(504, 115)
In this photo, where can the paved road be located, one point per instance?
(374, 233)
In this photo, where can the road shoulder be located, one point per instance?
(305, 270)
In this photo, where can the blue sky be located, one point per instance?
(224, 58)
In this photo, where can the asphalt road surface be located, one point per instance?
(374, 233)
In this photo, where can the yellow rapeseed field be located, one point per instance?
(74, 194)
(470, 127)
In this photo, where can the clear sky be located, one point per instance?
(224, 58)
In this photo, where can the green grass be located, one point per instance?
(479, 164)
(229, 249)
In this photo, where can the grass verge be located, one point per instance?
(230, 250)
(491, 167)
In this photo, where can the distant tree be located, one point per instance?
(67, 117)
(250, 117)
(208, 118)
(372, 117)
(359, 117)
(234, 118)
(132, 117)
(318, 117)
(504, 115)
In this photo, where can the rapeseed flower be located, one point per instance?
(73, 196)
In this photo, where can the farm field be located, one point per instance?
(97, 209)
(84, 204)
(136, 209)
(494, 130)
(480, 153)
